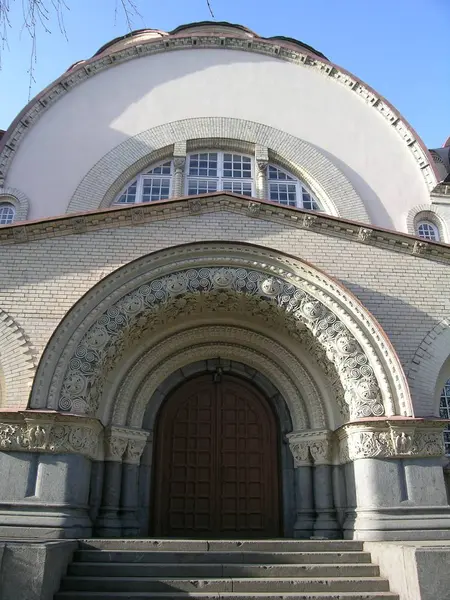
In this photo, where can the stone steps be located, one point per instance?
(206, 570)
(240, 570)
(236, 557)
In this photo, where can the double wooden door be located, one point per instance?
(216, 462)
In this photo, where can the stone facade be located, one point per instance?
(334, 316)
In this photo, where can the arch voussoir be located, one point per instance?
(270, 288)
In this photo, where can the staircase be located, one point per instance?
(269, 569)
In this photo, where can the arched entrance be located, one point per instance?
(216, 461)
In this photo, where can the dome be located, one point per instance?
(141, 36)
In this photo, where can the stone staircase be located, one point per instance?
(269, 569)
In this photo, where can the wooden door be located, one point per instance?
(216, 462)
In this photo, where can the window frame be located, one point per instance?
(12, 207)
(139, 180)
(434, 228)
(220, 178)
(300, 189)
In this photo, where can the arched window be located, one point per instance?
(427, 230)
(7, 213)
(150, 186)
(214, 171)
(444, 412)
(288, 190)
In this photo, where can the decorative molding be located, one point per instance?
(276, 49)
(365, 233)
(391, 439)
(209, 289)
(315, 444)
(126, 216)
(17, 362)
(52, 433)
(195, 206)
(186, 347)
(124, 443)
(254, 209)
(177, 281)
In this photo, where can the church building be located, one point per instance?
(224, 303)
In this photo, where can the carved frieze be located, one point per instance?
(45, 432)
(210, 289)
(391, 439)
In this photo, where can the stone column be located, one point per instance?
(108, 522)
(304, 522)
(130, 484)
(145, 486)
(326, 524)
(179, 164)
(261, 162)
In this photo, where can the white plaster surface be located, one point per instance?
(127, 99)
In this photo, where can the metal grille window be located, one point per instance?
(428, 231)
(289, 191)
(154, 185)
(7, 213)
(444, 412)
(215, 171)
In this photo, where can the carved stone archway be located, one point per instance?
(219, 277)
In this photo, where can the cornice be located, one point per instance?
(140, 214)
(274, 48)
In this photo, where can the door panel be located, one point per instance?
(216, 462)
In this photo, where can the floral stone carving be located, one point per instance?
(391, 440)
(56, 434)
(212, 289)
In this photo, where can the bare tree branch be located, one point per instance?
(38, 13)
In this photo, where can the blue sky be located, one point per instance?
(399, 47)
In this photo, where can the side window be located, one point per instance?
(154, 185)
(7, 213)
(427, 230)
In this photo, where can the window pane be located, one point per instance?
(275, 173)
(201, 186)
(164, 169)
(155, 188)
(203, 165)
(427, 231)
(308, 201)
(129, 195)
(238, 187)
(283, 193)
(235, 165)
(7, 213)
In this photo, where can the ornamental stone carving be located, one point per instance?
(391, 439)
(46, 432)
(254, 209)
(212, 289)
(124, 443)
(314, 444)
(300, 453)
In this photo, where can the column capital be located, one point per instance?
(315, 444)
(124, 442)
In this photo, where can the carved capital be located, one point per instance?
(262, 165)
(300, 453)
(321, 451)
(115, 444)
(179, 163)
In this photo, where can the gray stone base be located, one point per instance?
(49, 522)
(416, 570)
(398, 523)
